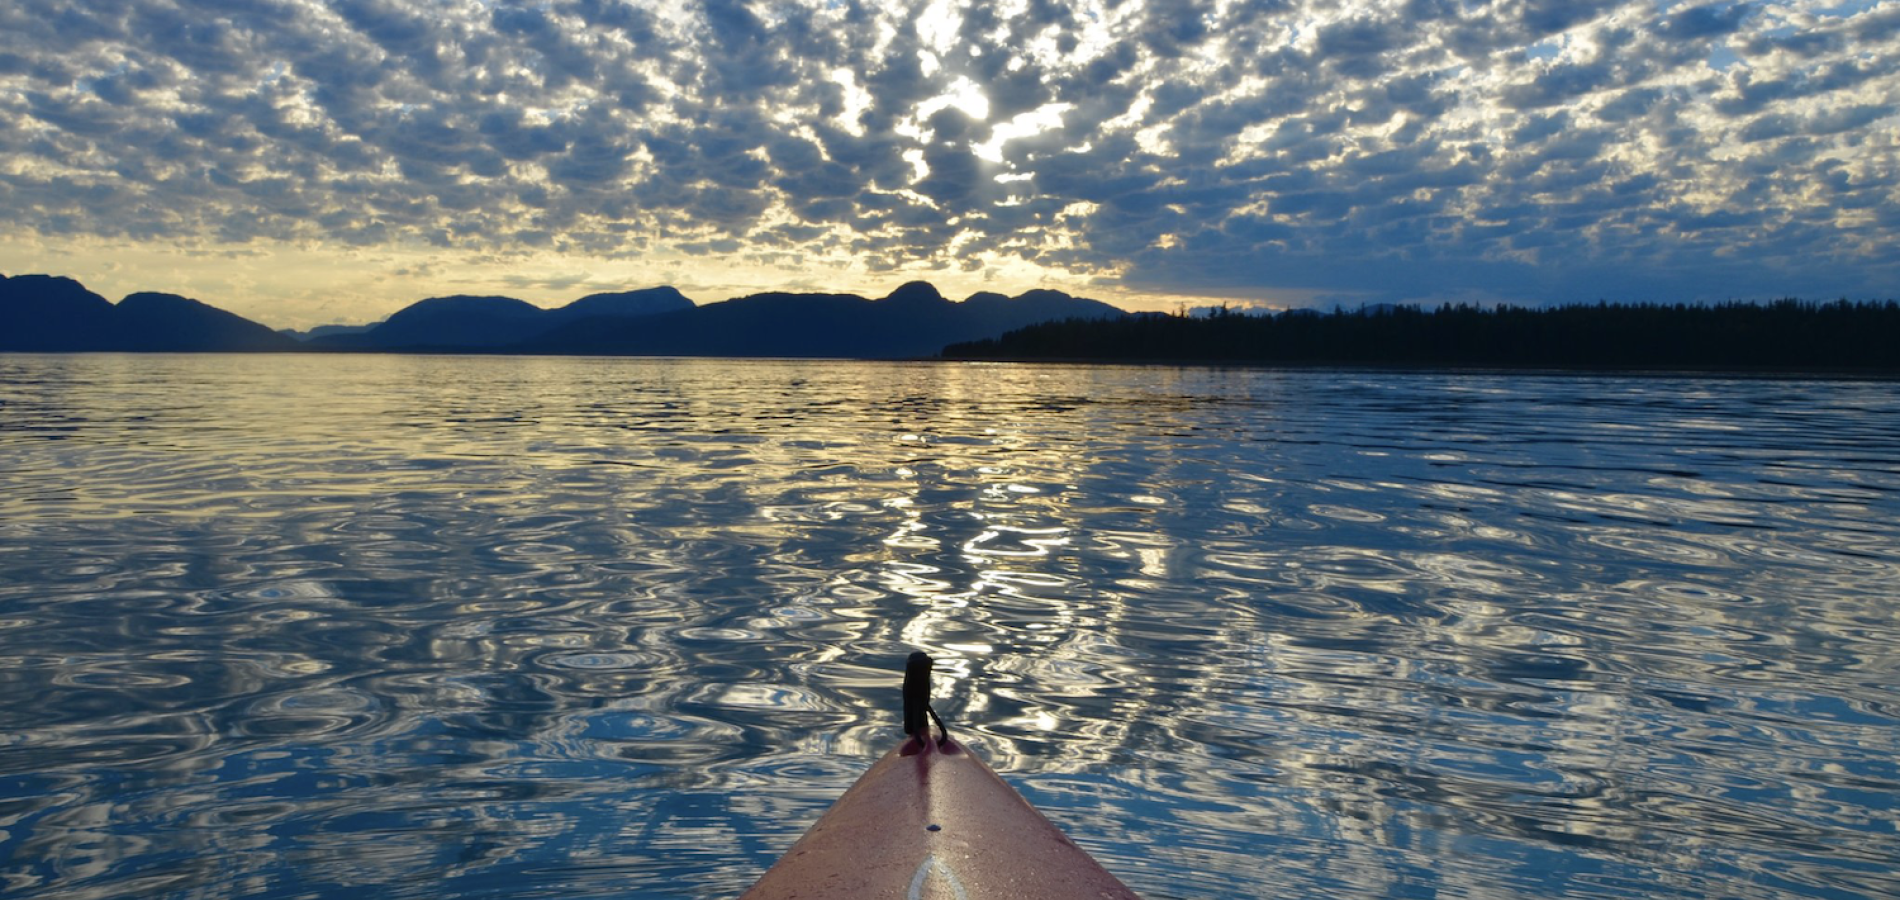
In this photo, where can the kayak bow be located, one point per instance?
(931, 820)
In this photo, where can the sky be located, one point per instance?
(304, 162)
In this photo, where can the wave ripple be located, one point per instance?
(446, 627)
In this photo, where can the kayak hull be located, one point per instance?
(931, 821)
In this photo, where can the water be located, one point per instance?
(446, 628)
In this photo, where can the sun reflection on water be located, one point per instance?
(460, 626)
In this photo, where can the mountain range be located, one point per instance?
(489, 323)
(54, 314)
(48, 313)
(913, 321)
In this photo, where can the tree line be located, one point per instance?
(1785, 334)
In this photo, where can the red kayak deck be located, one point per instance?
(931, 821)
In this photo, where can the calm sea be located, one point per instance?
(450, 628)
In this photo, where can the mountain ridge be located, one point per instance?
(56, 314)
(913, 321)
(49, 313)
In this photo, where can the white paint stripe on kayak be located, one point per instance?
(922, 877)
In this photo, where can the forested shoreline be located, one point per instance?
(1785, 334)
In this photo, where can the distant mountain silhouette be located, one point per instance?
(168, 322)
(487, 323)
(50, 313)
(625, 304)
(325, 330)
(913, 321)
(446, 323)
(47, 313)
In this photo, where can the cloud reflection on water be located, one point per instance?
(592, 625)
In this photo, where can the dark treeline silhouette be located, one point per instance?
(1786, 334)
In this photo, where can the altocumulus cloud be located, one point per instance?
(1540, 150)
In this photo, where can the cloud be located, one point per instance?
(1556, 148)
(1712, 20)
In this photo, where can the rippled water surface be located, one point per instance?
(444, 628)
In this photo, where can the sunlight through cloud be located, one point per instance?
(1538, 152)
